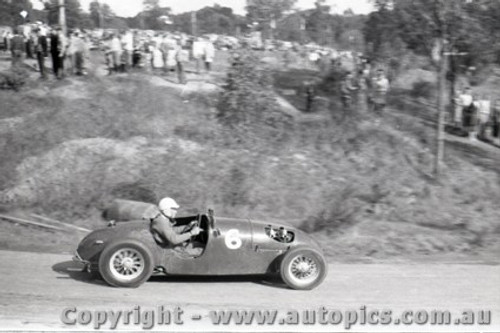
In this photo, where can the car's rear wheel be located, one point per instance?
(126, 264)
(303, 269)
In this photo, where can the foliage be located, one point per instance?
(423, 89)
(379, 31)
(465, 26)
(247, 103)
(14, 78)
(332, 80)
(319, 26)
(216, 19)
(100, 14)
(151, 4)
(10, 12)
(73, 13)
(267, 12)
(150, 19)
(340, 212)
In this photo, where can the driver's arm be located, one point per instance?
(162, 226)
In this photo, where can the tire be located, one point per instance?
(95, 275)
(127, 263)
(303, 269)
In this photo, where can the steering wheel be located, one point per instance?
(202, 236)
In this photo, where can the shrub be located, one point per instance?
(331, 82)
(338, 213)
(13, 78)
(423, 89)
(247, 104)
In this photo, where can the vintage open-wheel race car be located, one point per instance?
(126, 254)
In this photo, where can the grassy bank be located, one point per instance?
(361, 183)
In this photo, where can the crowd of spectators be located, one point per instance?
(68, 53)
(362, 86)
(476, 114)
(161, 52)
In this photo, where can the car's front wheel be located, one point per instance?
(303, 269)
(126, 263)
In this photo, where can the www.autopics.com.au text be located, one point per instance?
(149, 318)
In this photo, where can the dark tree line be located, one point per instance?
(469, 27)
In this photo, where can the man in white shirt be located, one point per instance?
(209, 54)
(484, 110)
(380, 87)
(198, 49)
(128, 48)
(464, 102)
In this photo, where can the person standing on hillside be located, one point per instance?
(457, 110)
(347, 89)
(108, 54)
(464, 102)
(209, 54)
(128, 49)
(166, 47)
(181, 57)
(17, 48)
(495, 119)
(116, 52)
(364, 87)
(40, 46)
(70, 52)
(380, 87)
(483, 114)
(58, 45)
(81, 53)
(197, 52)
(7, 36)
(310, 95)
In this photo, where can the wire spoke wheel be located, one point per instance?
(126, 264)
(303, 268)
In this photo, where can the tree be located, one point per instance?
(100, 13)
(265, 12)
(10, 12)
(150, 4)
(73, 12)
(380, 31)
(151, 19)
(216, 19)
(319, 24)
(247, 104)
(439, 29)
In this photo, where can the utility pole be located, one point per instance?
(443, 67)
(62, 16)
(193, 24)
(99, 12)
(444, 57)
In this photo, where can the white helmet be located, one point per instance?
(168, 207)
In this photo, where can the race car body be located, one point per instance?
(127, 254)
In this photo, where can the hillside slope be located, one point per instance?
(362, 185)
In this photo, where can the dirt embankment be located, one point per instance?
(363, 186)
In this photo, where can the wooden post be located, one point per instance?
(62, 16)
(193, 24)
(101, 19)
(443, 67)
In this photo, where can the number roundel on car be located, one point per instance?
(233, 240)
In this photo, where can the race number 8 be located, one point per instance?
(232, 239)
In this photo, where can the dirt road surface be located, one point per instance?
(38, 287)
